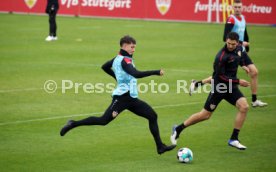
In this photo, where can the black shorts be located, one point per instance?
(246, 59)
(135, 105)
(215, 98)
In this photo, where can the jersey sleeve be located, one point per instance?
(228, 27)
(107, 67)
(230, 20)
(246, 37)
(130, 69)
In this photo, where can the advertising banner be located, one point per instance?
(255, 11)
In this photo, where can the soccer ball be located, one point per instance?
(185, 155)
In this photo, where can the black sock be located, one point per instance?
(179, 129)
(198, 83)
(254, 97)
(154, 129)
(235, 134)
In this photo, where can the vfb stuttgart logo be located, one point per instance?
(163, 6)
(30, 3)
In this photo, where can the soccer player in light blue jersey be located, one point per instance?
(125, 95)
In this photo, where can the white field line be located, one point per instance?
(191, 71)
(97, 113)
(88, 114)
(36, 89)
(49, 118)
(266, 86)
(77, 64)
(98, 65)
(23, 90)
(20, 90)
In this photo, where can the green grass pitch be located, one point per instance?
(30, 118)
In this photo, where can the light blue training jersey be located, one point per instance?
(239, 27)
(125, 82)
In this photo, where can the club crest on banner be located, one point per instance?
(163, 6)
(30, 3)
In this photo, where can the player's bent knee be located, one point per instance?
(153, 117)
(253, 71)
(244, 107)
(242, 104)
(206, 114)
(254, 74)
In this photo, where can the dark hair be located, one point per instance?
(237, 1)
(127, 40)
(233, 36)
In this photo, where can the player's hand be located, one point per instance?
(244, 83)
(245, 44)
(162, 72)
(246, 69)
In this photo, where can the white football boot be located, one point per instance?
(54, 38)
(258, 103)
(173, 135)
(236, 144)
(192, 88)
(49, 38)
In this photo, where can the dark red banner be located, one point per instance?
(256, 11)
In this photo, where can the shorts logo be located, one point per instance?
(30, 3)
(114, 114)
(163, 6)
(212, 106)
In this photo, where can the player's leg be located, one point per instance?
(237, 99)
(242, 106)
(53, 24)
(193, 119)
(195, 84)
(253, 72)
(117, 106)
(49, 37)
(210, 105)
(144, 110)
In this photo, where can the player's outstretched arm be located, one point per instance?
(130, 69)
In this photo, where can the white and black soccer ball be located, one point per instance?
(185, 155)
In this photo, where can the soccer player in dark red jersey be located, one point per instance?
(236, 23)
(225, 87)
